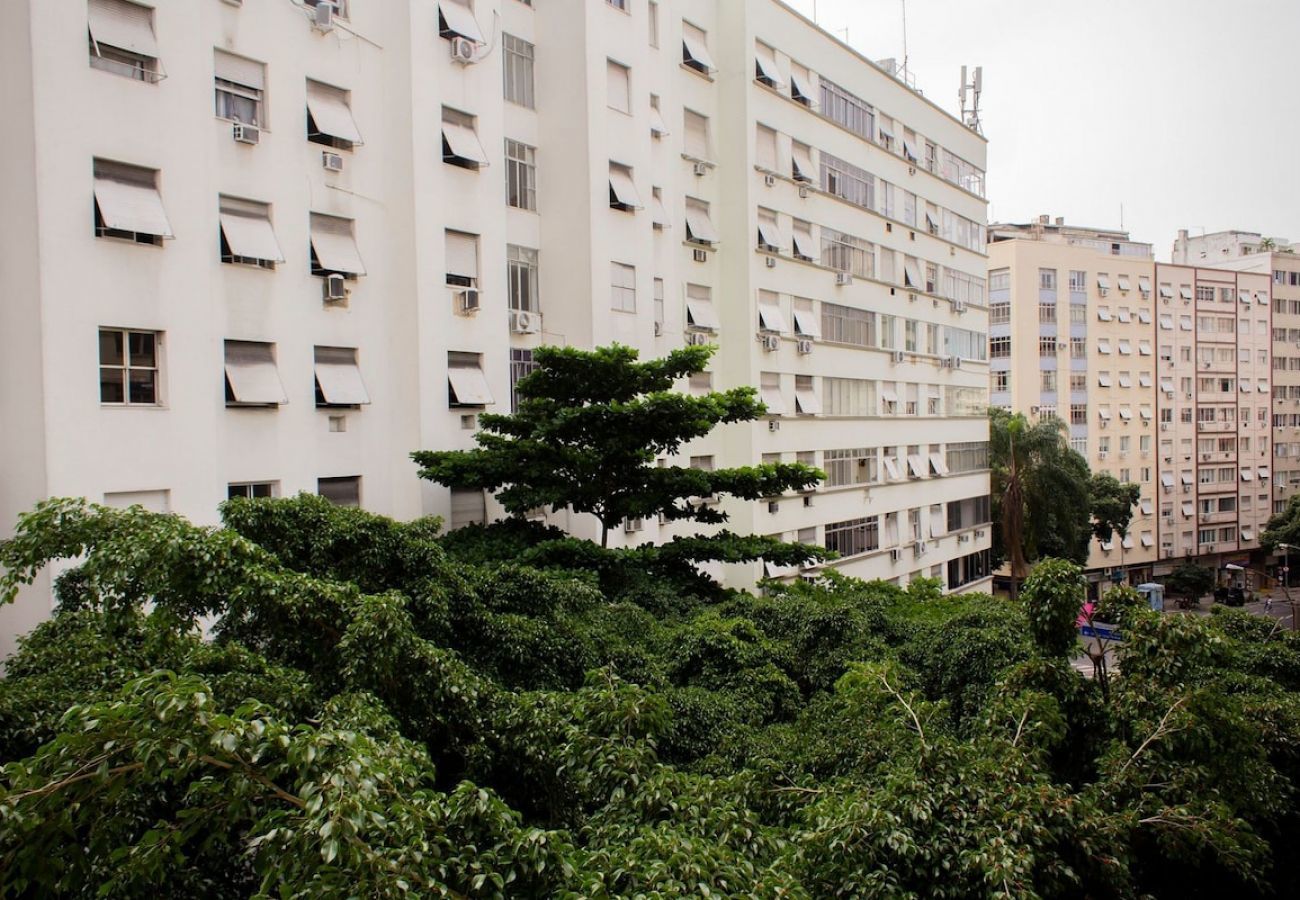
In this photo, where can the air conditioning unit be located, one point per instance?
(469, 300)
(894, 554)
(956, 362)
(770, 342)
(1102, 454)
(769, 180)
(843, 278)
(1187, 489)
(700, 168)
(897, 356)
(773, 506)
(247, 134)
(773, 425)
(333, 162)
(918, 549)
(805, 346)
(959, 307)
(323, 17)
(696, 339)
(946, 362)
(525, 322)
(803, 192)
(335, 288)
(659, 329)
(631, 526)
(463, 51)
(771, 262)
(700, 255)
(963, 538)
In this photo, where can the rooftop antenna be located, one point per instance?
(970, 98)
(904, 2)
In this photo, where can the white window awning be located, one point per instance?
(1243, 296)
(1125, 380)
(1106, 546)
(770, 235)
(938, 464)
(1167, 291)
(1261, 297)
(798, 87)
(770, 318)
(915, 467)
(463, 143)
(137, 208)
(807, 324)
(1147, 540)
(805, 246)
(693, 50)
(891, 469)
(1144, 379)
(701, 314)
(657, 126)
(699, 227)
(1144, 284)
(334, 246)
(1125, 413)
(1146, 507)
(909, 149)
(1188, 510)
(251, 237)
(1103, 282)
(331, 114)
(1125, 348)
(802, 167)
(1263, 387)
(469, 386)
(1144, 317)
(1185, 477)
(126, 26)
(1103, 314)
(1247, 475)
(1263, 472)
(1167, 323)
(1245, 386)
(1103, 346)
(772, 570)
(1185, 291)
(886, 133)
(1103, 381)
(1144, 348)
(622, 189)
(767, 69)
(889, 395)
(339, 378)
(1167, 386)
(806, 402)
(1247, 534)
(774, 400)
(1127, 542)
(659, 215)
(1145, 413)
(1184, 323)
(912, 273)
(252, 376)
(460, 20)
(1103, 414)
(1123, 282)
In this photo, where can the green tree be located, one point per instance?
(588, 430)
(1190, 581)
(1283, 527)
(1054, 596)
(1111, 505)
(1040, 493)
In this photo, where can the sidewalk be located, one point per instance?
(1281, 607)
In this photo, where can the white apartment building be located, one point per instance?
(1162, 374)
(285, 244)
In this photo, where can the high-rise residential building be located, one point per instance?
(1279, 259)
(1162, 373)
(288, 243)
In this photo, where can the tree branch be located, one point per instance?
(911, 712)
(1160, 732)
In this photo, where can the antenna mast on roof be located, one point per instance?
(970, 99)
(904, 2)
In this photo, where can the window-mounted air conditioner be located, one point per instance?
(323, 17)
(843, 278)
(335, 288)
(773, 425)
(468, 300)
(463, 51)
(770, 342)
(700, 255)
(525, 322)
(897, 356)
(956, 362)
(803, 192)
(631, 526)
(696, 339)
(769, 179)
(659, 329)
(247, 134)
(700, 168)
(773, 506)
(804, 346)
(894, 554)
(333, 162)
(771, 262)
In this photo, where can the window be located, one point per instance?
(456, 19)
(845, 325)
(659, 305)
(765, 67)
(770, 393)
(623, 194)
(652, 16)
(518, 61)
(252, 378)
(128, 204)
(999, 313)
(847, 253)
(618, 4)
(521, 175)
(853, 537)
(855, 397)
(699, 226)
(338, 379)
(1046, 346)
(770, 317)
(618, 87)
(695, 127)
(122, 39)
(462, 259)
(1047, 279)
(521, 274)
(253, 489)
(333, 247)
(801, 164)
(1000, 347)
(239, 86)
(622, 287)
(128, 367)
(847, 181)
(329, 117)
(341, 491)
(801, 84)
(246, 234)
(466, 383)
(770, 238)
(1078, 281)
(700, 314)
(521, 364)
(460, 144)
(695, 49)
(658, 129)
(805, 248)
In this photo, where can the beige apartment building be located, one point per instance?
(288, 243)
(1162, 374)
(1279, 259)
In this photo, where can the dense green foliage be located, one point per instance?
(1190, 581)
(379, 712)
(1283, 527)
(588, 433)
(1113, 503)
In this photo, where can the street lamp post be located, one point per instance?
(1286, 578)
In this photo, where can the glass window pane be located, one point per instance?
(110, 348)
(143, 386)
(142, 349)
(111, 386)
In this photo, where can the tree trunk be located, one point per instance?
(604, 534)
(1013, 521)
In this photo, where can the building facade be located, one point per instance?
(1162, 373)
(286, 244)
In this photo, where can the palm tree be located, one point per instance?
(1040, 493)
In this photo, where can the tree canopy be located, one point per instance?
(1112, 507)
(589, 429)
(381, 711)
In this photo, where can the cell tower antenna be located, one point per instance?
(905, 69)
(970, 98)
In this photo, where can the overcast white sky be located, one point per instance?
(1186, 112)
